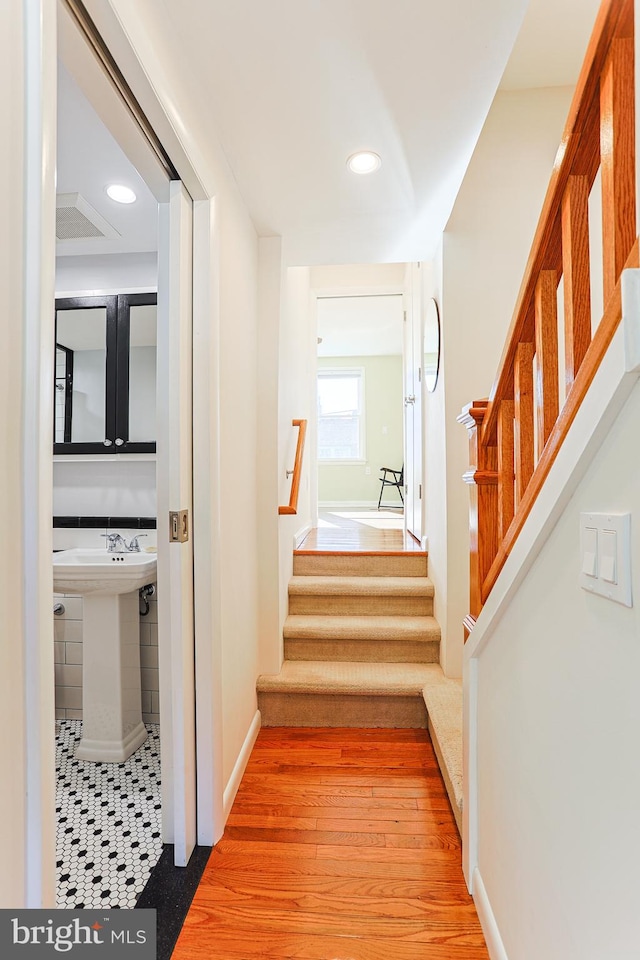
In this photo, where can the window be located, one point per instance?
(341, 414)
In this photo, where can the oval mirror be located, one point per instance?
(431, 345)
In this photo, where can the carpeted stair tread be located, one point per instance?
(337, 586)
(444, 707)
(349, 678)
(316, 627)
(360, 565)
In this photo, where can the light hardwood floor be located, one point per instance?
(365, 531)
(341, 845)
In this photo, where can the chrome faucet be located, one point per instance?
(133, 546)
(115, 543)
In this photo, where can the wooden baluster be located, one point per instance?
(523, 412)
(617, 151)
(505, 466)
(546, 308)
(482, 478)
(576, 272)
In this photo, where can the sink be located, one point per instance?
(85, 571)
(112, 727)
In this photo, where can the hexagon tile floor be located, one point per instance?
(108, 822)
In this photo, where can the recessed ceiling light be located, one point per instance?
(364, 162)
(120, 193)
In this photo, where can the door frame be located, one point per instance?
(336, 292)
(38, 108)
(140, 63)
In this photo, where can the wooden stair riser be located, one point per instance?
(340, 710)
(361, 606)
(364, 651)
(359, 565)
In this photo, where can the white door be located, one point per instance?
(175, 558)
(413, 403)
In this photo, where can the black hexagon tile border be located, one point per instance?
(108, 822)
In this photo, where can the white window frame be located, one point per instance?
(359, 373)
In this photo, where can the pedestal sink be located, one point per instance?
(112, 727)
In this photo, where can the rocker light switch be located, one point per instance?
(590, 552)
(608, 554)
(605, 555)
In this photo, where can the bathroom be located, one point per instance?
(109, 829)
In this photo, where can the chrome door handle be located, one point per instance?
(107, 443)
(119, 442)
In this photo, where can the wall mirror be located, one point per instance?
(431, 345)
(105, 374)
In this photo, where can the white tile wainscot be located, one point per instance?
(68, 660)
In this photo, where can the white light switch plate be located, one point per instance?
(609, 573)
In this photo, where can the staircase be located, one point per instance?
(360, 642)
(361, 649)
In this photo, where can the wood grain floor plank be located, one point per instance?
(237, 882)
(331, 811)
(265, 918)
(259, 946)
(421, 824)
(283, 801)
(245, 858)
(343, 837)
(340, 845)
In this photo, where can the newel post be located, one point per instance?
(482, 478)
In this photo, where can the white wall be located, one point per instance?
(112, 273)
(270, 278)
(239, 479)
(435, 462)
(119, 486)
(558, 715)
(485, 248)
(296, 379)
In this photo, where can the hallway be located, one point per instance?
(341, 844)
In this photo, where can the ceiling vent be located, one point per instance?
(77, 220)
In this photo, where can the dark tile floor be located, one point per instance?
(108, 822)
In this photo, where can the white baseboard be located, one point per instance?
(495, 946)
(243, 758)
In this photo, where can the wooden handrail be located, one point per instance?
(515, 435)
(297, 469)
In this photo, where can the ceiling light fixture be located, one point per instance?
(120, 193)
(364, 162)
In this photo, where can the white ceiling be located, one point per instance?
(290, 88)
(88, 160)
(360, 326)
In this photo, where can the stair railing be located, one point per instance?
(297, 469)
(515, 435)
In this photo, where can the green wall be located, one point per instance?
(383, 409)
